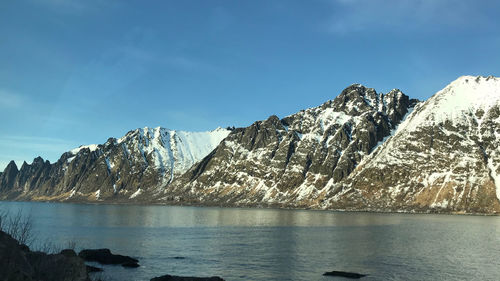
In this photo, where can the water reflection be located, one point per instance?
(268, 244)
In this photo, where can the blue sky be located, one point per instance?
(78, 72)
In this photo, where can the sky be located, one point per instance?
(78, 72)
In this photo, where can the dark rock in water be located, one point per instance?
(179, 258)
(345, 274)
(185, 278)
(68, 253)
(130, 264)
(94, 269)
(18, 263)
(104, 256)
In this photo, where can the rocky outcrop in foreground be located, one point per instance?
(18, 263)
(104, 256)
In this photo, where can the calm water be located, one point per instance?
(268, 244)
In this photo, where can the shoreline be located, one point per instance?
(263, 207)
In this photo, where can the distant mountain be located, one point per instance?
(141, 161)
(360, 151)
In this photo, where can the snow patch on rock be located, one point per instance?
(135, 194)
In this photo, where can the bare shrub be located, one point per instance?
(19, 226)
(3, 219)
(48, 247)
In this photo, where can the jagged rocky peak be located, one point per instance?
(357, 100)
(36, 164)
(362, 150)
(142, 161)
(444, 156)
(7, 178)
(291, 160)
(38, 161)
(11, 167)
(355, 110)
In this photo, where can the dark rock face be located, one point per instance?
(351, 275)
(8, 177)
(19, 263)
(288, 162)
(445, 158)
(182, 278)
(104, 256)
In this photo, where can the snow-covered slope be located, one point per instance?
(171, 152)
(459, 102)
(445, 156)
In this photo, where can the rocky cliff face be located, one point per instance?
(445, 156)
(142, 161)
(289, 162)
(8, 177)
(361, 151)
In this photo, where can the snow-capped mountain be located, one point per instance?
(289, 162)
(445, 156)
(360, 151)
(144, 159)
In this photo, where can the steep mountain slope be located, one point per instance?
(444, 157)
(120, 169)
(288, 162)
(360, 151)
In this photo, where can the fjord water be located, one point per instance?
(271, 244)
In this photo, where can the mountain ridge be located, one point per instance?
(142, 158)
(361, 151)
(352, 123)
(447, 156)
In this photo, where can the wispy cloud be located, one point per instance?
(73, 6)
(26, 148)
(119, 67)
(42, 144)
(190, 64)
(401, 15)
(178, 61)
(10, 100)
